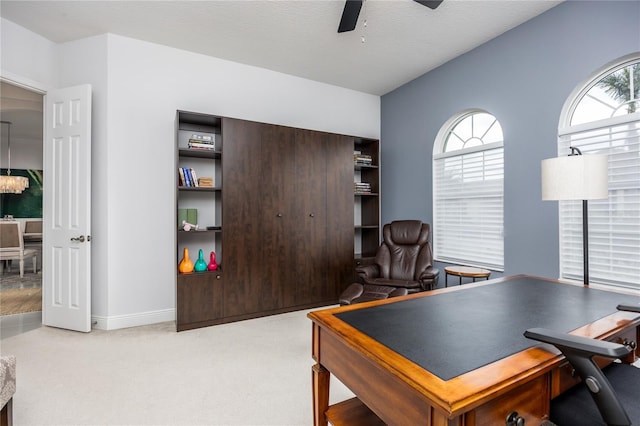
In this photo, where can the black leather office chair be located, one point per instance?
(612, 407)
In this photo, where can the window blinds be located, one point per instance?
(614, 223)
(468, 211)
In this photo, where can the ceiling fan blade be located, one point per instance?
(350, 15)
(431, 4)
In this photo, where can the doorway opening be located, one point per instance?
(21, 296)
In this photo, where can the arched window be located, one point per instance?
(603, 116)
(468, 191)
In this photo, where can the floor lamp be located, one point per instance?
(577, 177)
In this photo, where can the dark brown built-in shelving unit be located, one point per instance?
(285, 235)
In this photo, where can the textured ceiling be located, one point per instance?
(402, 39)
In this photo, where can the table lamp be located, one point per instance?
(577, 177)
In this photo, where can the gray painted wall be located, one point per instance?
(523, 77)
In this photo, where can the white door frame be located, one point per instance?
(41, 89)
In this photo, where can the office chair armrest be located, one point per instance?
(579, 351)
(430, 273)
(368, 271)
(630, 308)
(429, 278)
(578, 344)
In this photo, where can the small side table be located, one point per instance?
(465, 271)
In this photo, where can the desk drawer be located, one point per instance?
(529, 400)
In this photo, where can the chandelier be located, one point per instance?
(11, 184)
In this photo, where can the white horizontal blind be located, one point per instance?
(614, 224)
(468, 205)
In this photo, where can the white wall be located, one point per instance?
(26, 57)
(138, 87)
(35, 71)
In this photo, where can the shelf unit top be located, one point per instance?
(199, 119)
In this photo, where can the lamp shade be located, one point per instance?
(575, 177)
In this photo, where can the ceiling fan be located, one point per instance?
(352, 11)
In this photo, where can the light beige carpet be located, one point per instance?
(20, 301)
(250, 373)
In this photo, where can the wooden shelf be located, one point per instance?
(199, 153)
(207, 272)
(199, 231)
(200, 188)
(352, 412)
(364, 167)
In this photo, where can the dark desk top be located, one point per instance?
(452, 333)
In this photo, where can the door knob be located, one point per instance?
(279, 215)
(312, 215)
(79, 239)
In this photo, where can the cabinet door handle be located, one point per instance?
(279, 215)
(312, 215)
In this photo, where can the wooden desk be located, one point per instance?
(398, 391)
(465, 271)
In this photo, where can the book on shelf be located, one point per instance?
(363, 162)
(202, 141)
(187, 180)
(362, 187)
(192, 216)
(205, 146)
(362, 159)
(206, 182)
(187, 177)
(187, 215)
(182, 216)
(194, 178)
(202, 138)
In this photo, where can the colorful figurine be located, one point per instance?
(186, 265)
(200, 265)
(212, 266)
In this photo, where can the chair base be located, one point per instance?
(358, 293)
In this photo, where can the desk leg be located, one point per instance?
(320, 378)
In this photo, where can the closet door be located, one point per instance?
(279, 217)
(310, 235)
(242, 265)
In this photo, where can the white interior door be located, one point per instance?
(66, 246)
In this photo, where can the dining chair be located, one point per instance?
(12, 246)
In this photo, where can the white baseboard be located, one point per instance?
(132, 320)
